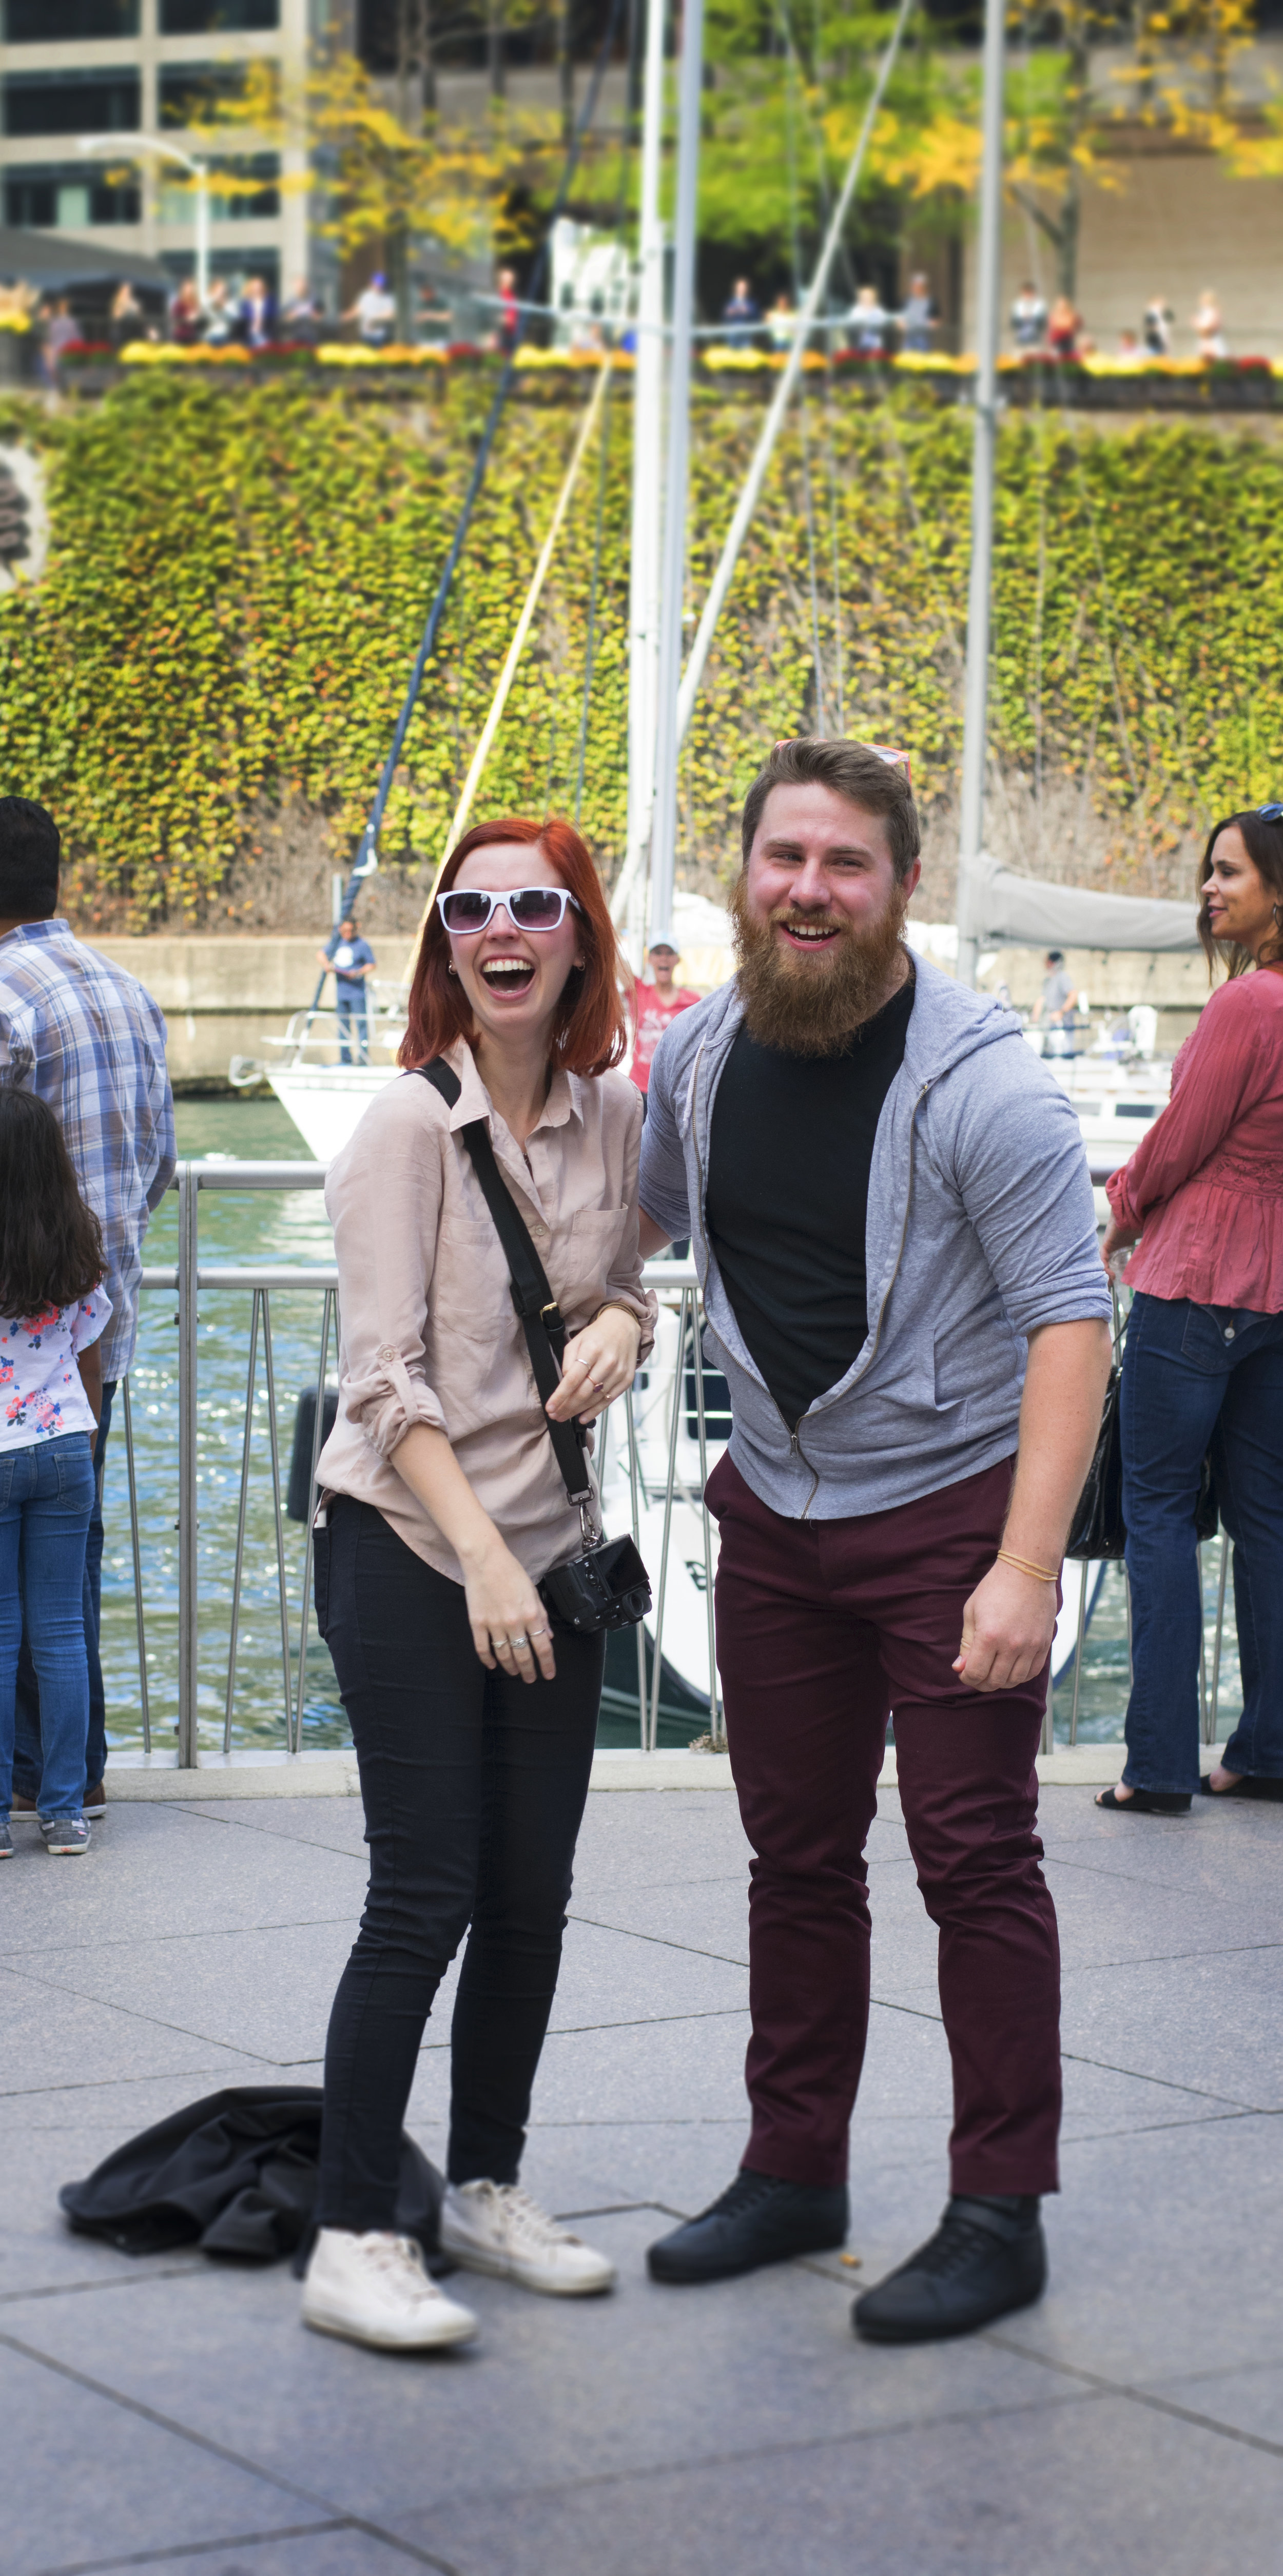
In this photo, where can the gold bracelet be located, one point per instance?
(1026, 1566)
(616, 1306)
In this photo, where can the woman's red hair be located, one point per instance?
(589, 1034)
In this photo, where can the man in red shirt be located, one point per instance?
(654, 1005)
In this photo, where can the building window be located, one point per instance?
(254, 197)
(107, 102)
(57, 22)
(190, 92)
(218, 17)
(42, 197)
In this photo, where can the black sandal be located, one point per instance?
(1147, 1802)
(1251, 1785)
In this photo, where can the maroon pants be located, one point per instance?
(824, 1627)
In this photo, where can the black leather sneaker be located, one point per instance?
(758, 2220)
(986, 2257)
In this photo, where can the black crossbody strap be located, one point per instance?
(541, 1316)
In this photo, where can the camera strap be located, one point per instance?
(541, 1317)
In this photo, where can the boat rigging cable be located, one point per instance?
(367, 858)
(751, 492)
(748, 499)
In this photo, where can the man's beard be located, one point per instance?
(811, 1006)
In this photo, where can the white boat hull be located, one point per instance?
(328, 1101)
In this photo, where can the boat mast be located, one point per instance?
(984, 458)
(663, 844)
(648, 417)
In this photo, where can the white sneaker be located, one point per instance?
(374, 2289)
(495, 2227)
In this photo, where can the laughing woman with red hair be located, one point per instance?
(442, 1508)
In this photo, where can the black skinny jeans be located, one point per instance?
(474, 1788)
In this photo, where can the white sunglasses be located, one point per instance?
(467, 909)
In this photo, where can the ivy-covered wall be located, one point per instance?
(238, 578)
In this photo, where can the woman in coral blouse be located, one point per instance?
(1203, 1365)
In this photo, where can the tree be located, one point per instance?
(785, 107)
(1067, 116)
(384, 178)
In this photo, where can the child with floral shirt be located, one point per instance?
(52, 1311)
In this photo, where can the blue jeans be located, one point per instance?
(26, 1751)
(46, 1494)
(1194, 1378)
(352, 1028)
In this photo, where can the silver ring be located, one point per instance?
(523, 1640)
(541, 1632)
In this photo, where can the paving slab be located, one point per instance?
(1127, 2423)
(1063, 2488)
(79, 2465)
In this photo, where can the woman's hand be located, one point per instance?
(1118, 1238)
(511, 1629)
(599, 1363)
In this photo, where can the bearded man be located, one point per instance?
(890, 1207)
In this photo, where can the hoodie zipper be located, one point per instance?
(796, 1449)
(795, 1445)
(794, 1440)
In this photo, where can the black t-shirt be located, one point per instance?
(788, 1192)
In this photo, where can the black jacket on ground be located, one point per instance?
(236, 2175)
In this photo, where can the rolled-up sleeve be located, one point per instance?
(624, 1278)
(662, 1176)
(1021, 1167)
(383, 1198)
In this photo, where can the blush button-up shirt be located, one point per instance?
(428, 1329)
(1206, 1183)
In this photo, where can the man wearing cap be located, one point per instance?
(654, 1006)
(892, 1218)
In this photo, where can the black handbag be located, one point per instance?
(608, 1586)
(1098, 1529)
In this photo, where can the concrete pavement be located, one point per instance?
(172, 2413)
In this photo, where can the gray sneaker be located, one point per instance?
(6, 1839)
(65, 1834)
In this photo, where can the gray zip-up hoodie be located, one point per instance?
(980, 1227)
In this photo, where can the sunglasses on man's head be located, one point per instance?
(467, 909)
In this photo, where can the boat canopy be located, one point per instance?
(1027, 912)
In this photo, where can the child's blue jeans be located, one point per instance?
(46, 1495)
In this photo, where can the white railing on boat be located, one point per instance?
(653, 1454)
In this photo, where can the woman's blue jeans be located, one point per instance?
(46, 1496)
(1197, 1378)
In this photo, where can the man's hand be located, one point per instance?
(1007, 1629)
(1010, 1619)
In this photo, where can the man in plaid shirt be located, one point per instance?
(87, 1037)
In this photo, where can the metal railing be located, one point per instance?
(191, 1278)
(656, 1439)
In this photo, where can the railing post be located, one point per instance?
(188, 1257)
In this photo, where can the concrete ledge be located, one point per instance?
(334, 1775)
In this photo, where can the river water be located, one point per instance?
(256, 1228)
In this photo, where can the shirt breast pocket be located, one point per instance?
(470, 1291)
(583, 1253)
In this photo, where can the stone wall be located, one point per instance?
(224, 997)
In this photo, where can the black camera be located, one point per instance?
(607, 1588)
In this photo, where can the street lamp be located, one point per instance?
(109, 146)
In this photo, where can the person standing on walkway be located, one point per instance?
(655, 1006)
(893, 1222)
(1203, 1358)
(88, 1039)
(352, 960)
(442, 1508)
(52, 1314)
